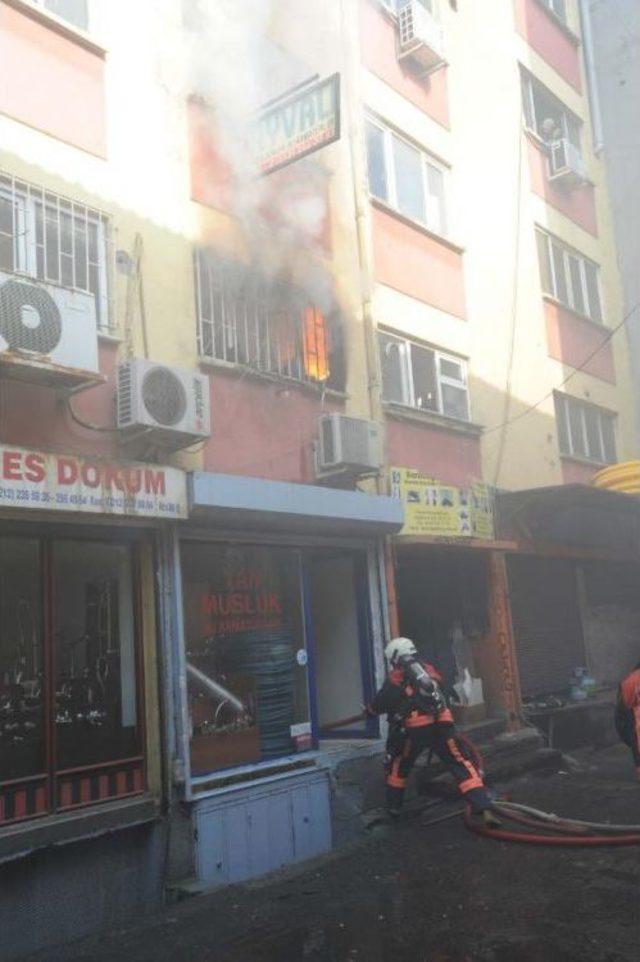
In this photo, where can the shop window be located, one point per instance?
(245, 653)
(278, 651)
(421, 377)
(245, 320)
(571, 278)
(70, 732)
(585, 431)
(55, 240)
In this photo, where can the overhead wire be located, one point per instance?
(514, 301)
(576, 370)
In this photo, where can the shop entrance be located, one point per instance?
(546, 623)
(340, 624)
(443, 606)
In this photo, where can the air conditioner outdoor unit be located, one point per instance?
(420, 37)
(48, 334)
(166, 405)
(347, 446)
(566, 164)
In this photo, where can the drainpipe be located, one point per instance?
(354, 107)
(592, 80)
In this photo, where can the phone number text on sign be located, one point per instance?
(67, 483)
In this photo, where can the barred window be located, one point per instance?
(56, 240)
(244, 319)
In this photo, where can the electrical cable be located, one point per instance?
(532, 407)
(87, 424)
(514, 303)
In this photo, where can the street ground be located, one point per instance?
(419, 893)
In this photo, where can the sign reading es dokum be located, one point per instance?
(57, 482)
(443, 510)
(306, 121)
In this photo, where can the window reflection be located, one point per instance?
(22, 737)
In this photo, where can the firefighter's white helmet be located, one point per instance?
(399, 648)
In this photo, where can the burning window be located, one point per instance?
(245, 320)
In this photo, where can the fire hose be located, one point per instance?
(548, 829)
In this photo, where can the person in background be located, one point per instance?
(627, 714)
(419, 719)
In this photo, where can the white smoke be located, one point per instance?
(231, 66)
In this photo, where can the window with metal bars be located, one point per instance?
(585, 431)
(246, 320)
(55, 240)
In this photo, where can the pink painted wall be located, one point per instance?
(211, 176)
(51, 82)
(294, 200)
(447, 456)
(577, 203)
(417, 264)
(573, 472)
(548, 39)
(262, 429)
(571, 339)
(36, 417)
(378, 32)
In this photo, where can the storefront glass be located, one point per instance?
(22, 730)
(70, 733)
(96, 716)
(246, 654)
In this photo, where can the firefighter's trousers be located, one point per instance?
(441, 737)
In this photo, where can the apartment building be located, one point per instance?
(219, 349)
(617, 74)
(496, 297)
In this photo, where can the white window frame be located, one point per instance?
(551, 6)
(563, 403)
(24, 199)
(431, 6)
(529, 80)
(568, 252)
(405, 347)
(41, 5)
(427, 160)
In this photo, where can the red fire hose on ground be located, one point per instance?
(547, 829)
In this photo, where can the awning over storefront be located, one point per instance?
(235, 500)
(571, 514)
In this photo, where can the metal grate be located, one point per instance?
(29, 318)
(164, 396)
(243, 319)
(53, 239)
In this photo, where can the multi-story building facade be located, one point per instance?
(617, 72)
(193, 597)
(496, 299)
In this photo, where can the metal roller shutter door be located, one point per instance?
(546, 622)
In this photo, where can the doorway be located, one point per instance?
(340, 619)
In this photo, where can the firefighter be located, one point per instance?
(420, 719)
(627, 715)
